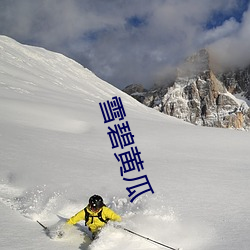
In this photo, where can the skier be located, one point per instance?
(95, 214)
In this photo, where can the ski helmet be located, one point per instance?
(96, 202)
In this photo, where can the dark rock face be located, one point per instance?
(199, 96)
(237, 81)
(137, 91)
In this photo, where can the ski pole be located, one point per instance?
(159, 243)
(45, 228)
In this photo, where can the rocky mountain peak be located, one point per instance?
(200, 96)
(196, 64)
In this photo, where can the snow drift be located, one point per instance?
(55, 153)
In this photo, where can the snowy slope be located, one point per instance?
(55, 153)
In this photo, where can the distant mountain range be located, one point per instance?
(202, 94)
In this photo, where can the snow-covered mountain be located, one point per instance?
(237, 81)
(201, 95)
(55, 153)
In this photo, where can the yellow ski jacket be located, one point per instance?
(94, 223)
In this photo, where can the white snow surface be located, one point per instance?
(55, 153)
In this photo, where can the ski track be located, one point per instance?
(148, 220)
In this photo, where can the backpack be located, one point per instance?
(99, 216)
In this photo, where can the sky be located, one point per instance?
(132, 41)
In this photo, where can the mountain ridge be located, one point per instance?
(201, 95)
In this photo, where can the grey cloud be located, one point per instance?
(233, 49)
(123, 42)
